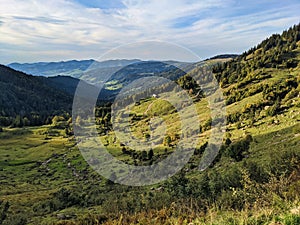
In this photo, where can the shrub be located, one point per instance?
(150, 154)
(143, 155)
(147, 136)
(16, 219)
(177, 186)
(207, 125)
(167, 141)
(237, 149)
(64, 198)
(274, 109)
(233, 118)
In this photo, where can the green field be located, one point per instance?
(37, 162)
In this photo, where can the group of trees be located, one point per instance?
(251, 67)
(237, 150)
(279, 90)
(140, 155)
(188, 83)
(33, 119)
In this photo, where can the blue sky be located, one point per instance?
(55, 30)
(103, 4)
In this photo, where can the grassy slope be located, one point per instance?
(25, 181)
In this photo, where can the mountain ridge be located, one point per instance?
(74, 68)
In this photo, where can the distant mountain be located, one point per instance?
(113, 74)
(146, 68)
(115, 63)
(114, 79)
(90, 70)
(71, 68)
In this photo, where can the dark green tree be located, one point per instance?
(150, 154)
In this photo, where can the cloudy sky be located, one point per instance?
(36, 30)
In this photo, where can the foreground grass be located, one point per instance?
(35, 166)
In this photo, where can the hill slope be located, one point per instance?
(31, 97)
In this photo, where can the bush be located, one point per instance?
(5, 121)
(237, 149)
(167, 141)
(16, 219)
(177, 186)
(65, 198)
(207, 125)
(150, 154)
(274, 109)
(233, 118)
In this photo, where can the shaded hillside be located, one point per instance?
(29, 97)
(33, 100)
(64, 83)
(69, 85)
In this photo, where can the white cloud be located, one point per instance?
(61, 29)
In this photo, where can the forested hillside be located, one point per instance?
(28, 100)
